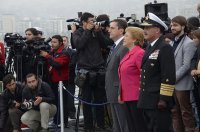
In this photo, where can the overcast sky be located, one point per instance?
(69, 8)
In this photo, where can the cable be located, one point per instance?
(88, 103)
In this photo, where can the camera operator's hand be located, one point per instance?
(73, 27)
(43, 53)
(38, 100)
(17, 105)
(97, 28)
(90, 25)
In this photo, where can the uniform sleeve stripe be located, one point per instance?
(167, 89)
(166, 93)
(167, 86)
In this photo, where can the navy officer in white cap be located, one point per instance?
(157, 77)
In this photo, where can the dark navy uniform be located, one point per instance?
(157, 75)
(157, 80)
(157, 83)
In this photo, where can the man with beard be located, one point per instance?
(38, 100)
(184, 49)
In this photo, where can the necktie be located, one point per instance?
(148, 48)
(112, 49)
(175, 45)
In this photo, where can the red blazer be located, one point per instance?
(2, 55)
(129, 74)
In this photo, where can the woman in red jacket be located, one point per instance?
(129, 74)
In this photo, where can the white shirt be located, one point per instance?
(152, 44)
(118, 41)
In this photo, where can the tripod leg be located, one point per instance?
(77, 117)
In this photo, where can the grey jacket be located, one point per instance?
(112, 78)
(183, 56)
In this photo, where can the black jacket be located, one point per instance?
(72, 64)
(195, 59)
(158, 76)
(43, 90)
(17, 96)
(88, 44)
(3, 111)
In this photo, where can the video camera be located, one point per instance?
(39, 44)
(76, 21)
(14, 40)
(102, 23)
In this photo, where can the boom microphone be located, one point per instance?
(72, 20)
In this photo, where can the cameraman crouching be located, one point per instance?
(39, 99)
(13, 99)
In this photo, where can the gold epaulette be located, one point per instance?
(166, 89)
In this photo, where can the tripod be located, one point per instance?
(41, 71)
(9, 61)
(78, 110)
(15, 54)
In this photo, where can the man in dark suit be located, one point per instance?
(116, 30)
(157, 77)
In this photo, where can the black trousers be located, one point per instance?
(13, 120)
(196, 93)
(3, 119)
(158, 120)
(55, 88)
(94, 91)
(135, 117)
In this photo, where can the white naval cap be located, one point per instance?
(152, 20)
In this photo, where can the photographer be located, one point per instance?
(13, 98)
(105, 20)
(39, 99)
(28, 63)
(58, 65)
(88, 41)
(32, 60)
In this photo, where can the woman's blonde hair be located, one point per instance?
(136, 33)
